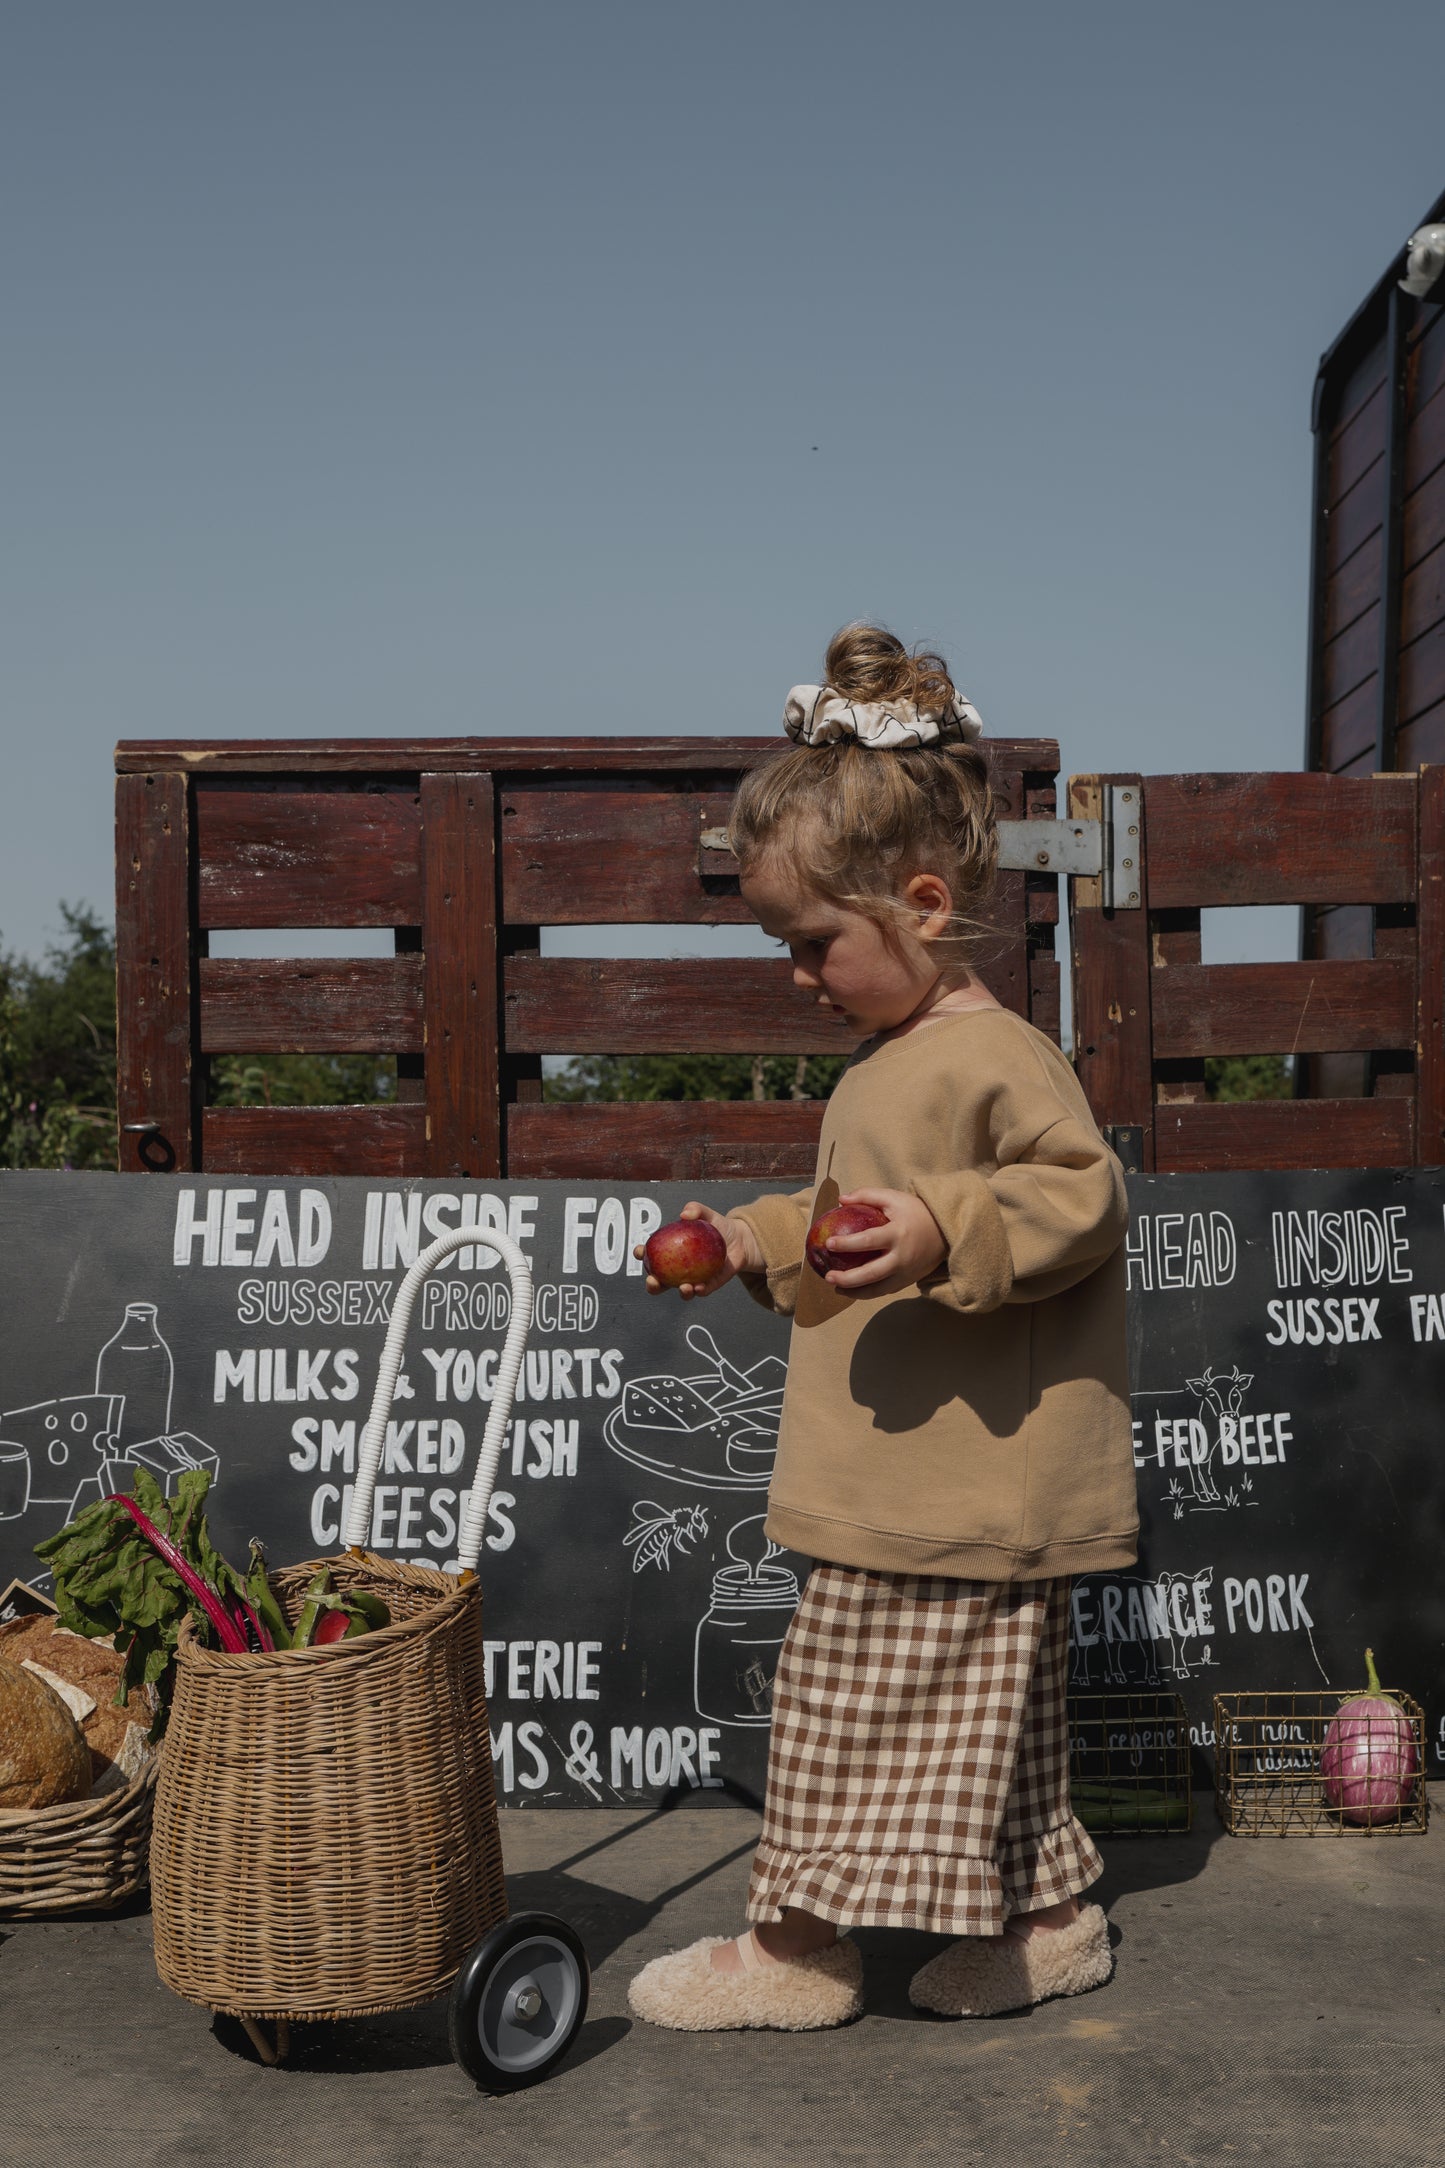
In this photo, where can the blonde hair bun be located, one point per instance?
(869, 663)
(858, 822)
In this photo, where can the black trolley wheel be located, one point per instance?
(519, 2001)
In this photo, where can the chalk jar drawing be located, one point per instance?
(72, 1450)
(715, 1428)
(739, 1641)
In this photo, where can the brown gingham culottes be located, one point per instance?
(918, 1774)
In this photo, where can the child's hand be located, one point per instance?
(912, 1245)
(743, 1254)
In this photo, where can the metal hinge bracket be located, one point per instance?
(1051, 847)
(1105, 850)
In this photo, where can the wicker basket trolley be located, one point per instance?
(326, 1841)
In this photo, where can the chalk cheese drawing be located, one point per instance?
(1209, 1451)
(76, 1448)
(735, 1654)
(1129, 1630)
(657, 1531)
(713, 1428)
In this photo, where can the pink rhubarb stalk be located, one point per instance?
(231, 1638)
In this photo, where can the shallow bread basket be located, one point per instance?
(82, 1856)
(325, 1839)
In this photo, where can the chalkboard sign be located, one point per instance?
(1287, 1350)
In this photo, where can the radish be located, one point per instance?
(1370, 1762)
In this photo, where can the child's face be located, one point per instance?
(867, 982)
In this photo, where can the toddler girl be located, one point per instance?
(955, 1442)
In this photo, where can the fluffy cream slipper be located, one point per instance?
(981, 1976)
(801, 1994)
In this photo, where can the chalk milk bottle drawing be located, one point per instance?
(71, 1450)
(717, 1429)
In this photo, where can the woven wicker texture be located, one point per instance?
(326, 1839)
(86, 1856)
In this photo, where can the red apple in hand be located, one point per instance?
(688, 1252)
(844, 1219)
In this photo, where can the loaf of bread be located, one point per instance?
(43, 1755)
(93, 1666)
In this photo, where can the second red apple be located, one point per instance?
(844, 1219)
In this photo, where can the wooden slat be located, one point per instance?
(1345, 932)
(1357, 446)
(1278, 1008)
(1430, 1019)
(1044, 996)
(614, 857)
(1355, 518)
(1348, 729)
(385, 1141)
(1174, 945)
(459, 942)
(1111, 986)
(1353, 588)
(1422, 673)
(1427, 360)
(1217, 840)
(630, 856)
(1041, 897)
(1425, 442)
(666, 1141)
(1352, 391)
(155, 945)
(1422, 739)
(308, 857)
(311, 1005)
(1351, 658)
(1285, 1133)
(1422, 595)
(1423, 519)
(637, 1005)
(620, 756)
(1004, 953)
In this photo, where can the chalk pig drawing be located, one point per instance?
(1127, 1631)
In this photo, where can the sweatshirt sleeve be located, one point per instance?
(1049, 1216)
(781, 1225)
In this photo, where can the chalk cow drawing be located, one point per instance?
(1222, 1394)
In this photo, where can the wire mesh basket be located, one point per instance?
(1129, 1764)
(1300, 1765)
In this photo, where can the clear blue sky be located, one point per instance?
(445, 368)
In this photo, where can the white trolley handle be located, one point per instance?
(474, 1518)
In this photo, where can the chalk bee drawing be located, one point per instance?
(657, 1530)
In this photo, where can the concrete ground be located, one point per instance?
(1274, 2000)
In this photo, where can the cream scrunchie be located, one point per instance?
(817, 715)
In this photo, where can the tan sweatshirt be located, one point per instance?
(976, 1425)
